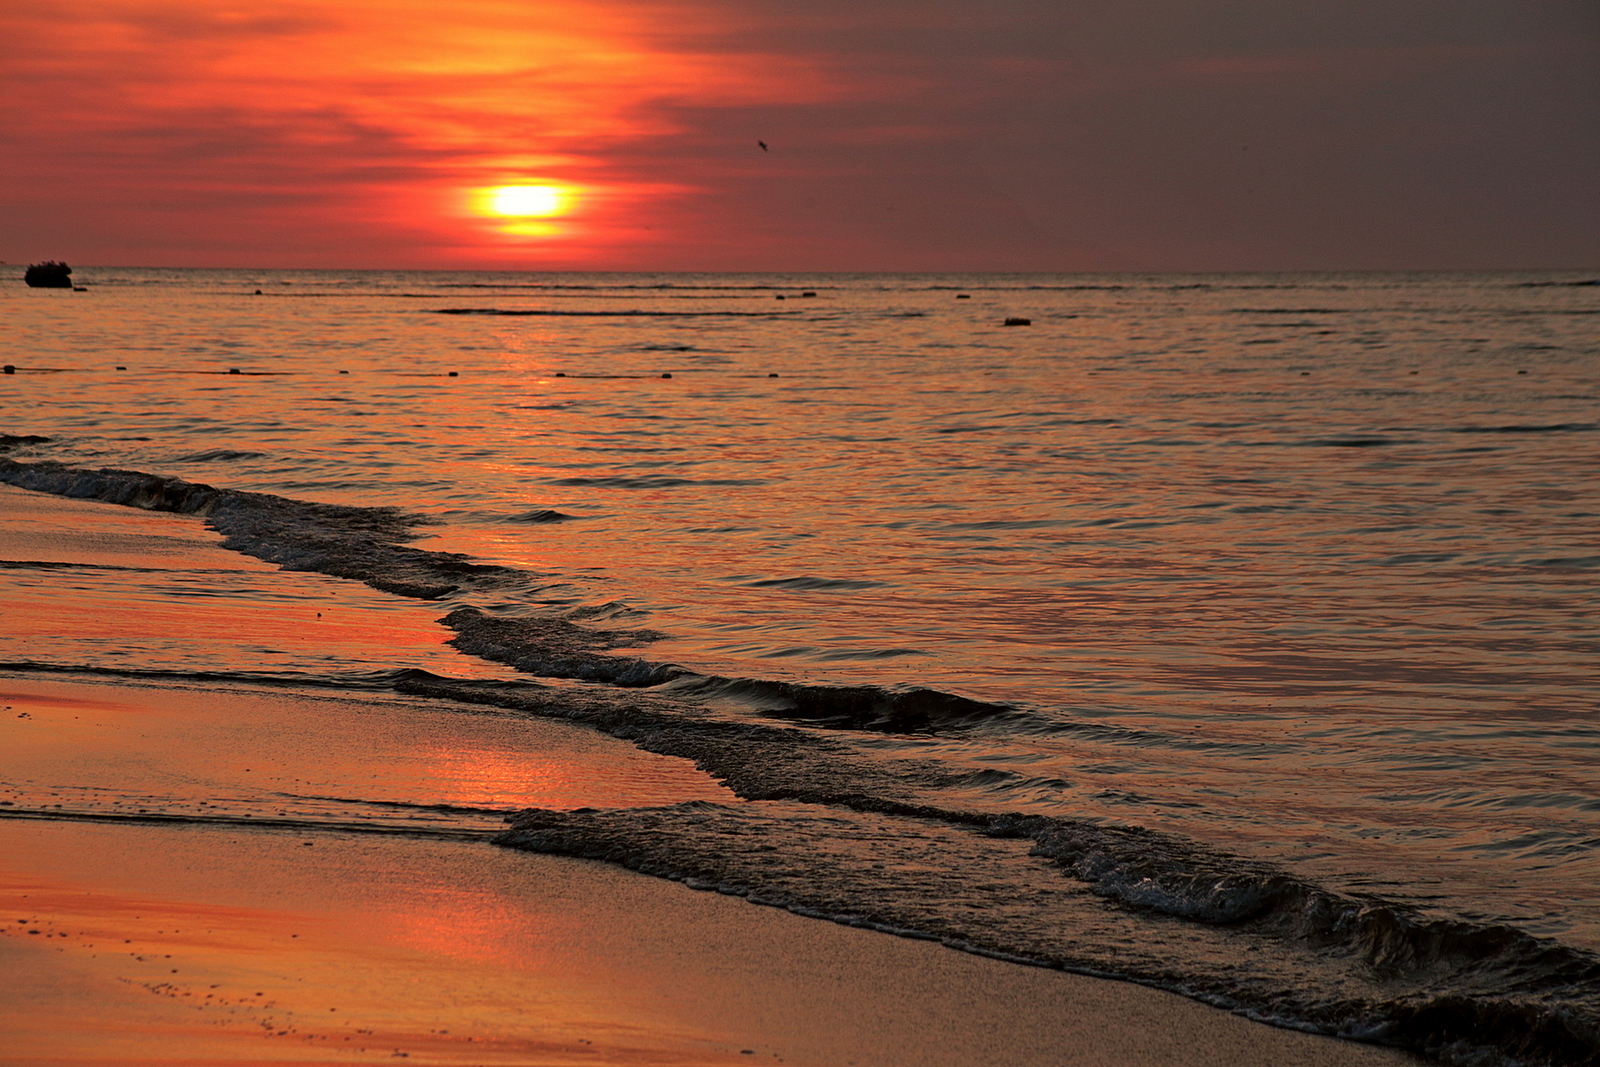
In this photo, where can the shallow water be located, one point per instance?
(1300, 567)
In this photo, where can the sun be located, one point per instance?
(526, 201)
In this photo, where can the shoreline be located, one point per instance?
(535, 959)
(175, 945)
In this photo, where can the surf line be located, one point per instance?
(299, 826)
(629, 313)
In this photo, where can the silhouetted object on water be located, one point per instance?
(1019, 322)
(48, 275)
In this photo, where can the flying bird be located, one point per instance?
(763, 145)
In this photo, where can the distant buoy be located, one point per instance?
(1019, 322)
(233, 370)
(666, 375)
(258, 292)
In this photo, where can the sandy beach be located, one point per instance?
(859, 534)
(207, 873)
(205, 945)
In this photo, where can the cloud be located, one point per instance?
(387, 113)
(903, 134)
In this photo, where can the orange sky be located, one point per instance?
(382, 119)
(930, 135)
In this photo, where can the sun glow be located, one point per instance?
(411, 131)
(526, 201)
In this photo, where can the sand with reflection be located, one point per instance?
(213, 945)
(196, 873)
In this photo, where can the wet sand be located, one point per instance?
(295, 757)
(310, 881)
(210, 945)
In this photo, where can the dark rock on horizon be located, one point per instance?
(48, 275)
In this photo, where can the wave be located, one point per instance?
(971, 287)
(863, 845)
(1006, 524)
(1471, 965)
(1467, 993)
(367, 545)
(554, 647)
(876, 841)
(364, 544)
(1290, 311)
(648, 481)
(1379, 440)
(1555, 427)
(620, 286)
(385, 680)
(879, 709)
(264, 822)
(218, 455)
(541, 515)
(56, 565)
(558, 648)
(1564, 562)
(810, 583)
(1353, 441)
(621, 313)
(842, 654)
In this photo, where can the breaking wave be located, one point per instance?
(624, 313)
(1467, 993)
(852, 836)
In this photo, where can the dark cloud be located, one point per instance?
(1219, 135)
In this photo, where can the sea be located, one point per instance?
(1235, 634)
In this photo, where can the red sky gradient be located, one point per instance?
(927, 135)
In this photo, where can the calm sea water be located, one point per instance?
(1301, 568)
